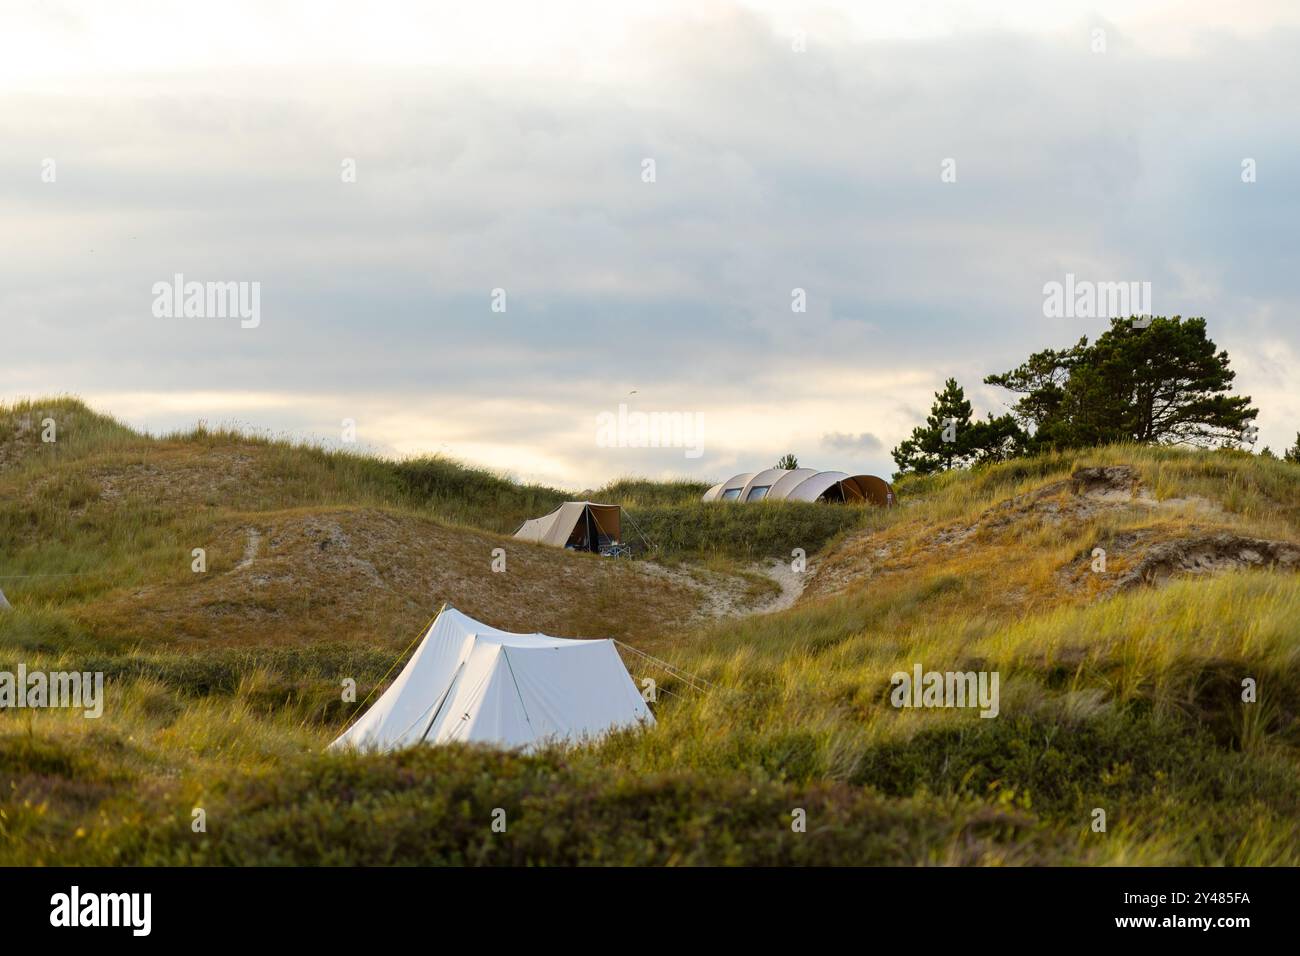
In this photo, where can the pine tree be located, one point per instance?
(950, 439)
(1162, 383)
(940, 443)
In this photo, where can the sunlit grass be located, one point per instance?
(1129, 700)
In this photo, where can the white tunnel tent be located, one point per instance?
(802, 484)
(582, 525)
(468, 682)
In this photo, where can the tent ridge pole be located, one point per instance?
(520, 694)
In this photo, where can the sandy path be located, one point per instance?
(792, 584)
(726, 595)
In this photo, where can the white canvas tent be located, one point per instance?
(803, 484)
(585, 525)
(468, 682)
(4, 605)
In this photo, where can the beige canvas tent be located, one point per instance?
(803, 484)
(582, 525)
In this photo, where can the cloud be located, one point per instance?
(516, 163)
(864, 442)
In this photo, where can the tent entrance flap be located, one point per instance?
(437, 709)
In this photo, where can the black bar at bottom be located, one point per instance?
(359, 906)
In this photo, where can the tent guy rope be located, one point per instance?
(423, 631)
(677, 672)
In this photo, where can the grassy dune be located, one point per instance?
(1124, 697)
(302, 544)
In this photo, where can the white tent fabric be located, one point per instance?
(557, 527)
(789, 481)
(801, 484)
(810, 489)
(4, 605)
(728, 490)
(468, 682)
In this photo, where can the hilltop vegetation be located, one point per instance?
(302, 544)
(1120, 690)
(1146, 380)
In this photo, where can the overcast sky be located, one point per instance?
(503, 146)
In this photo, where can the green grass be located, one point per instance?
(799, 719)
(770, 529)
(436, 807)
(1129, 703)
(637, 493)
(1263, 490)
(227, 471)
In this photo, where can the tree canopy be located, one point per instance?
(950, 438)
(1160, 383)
